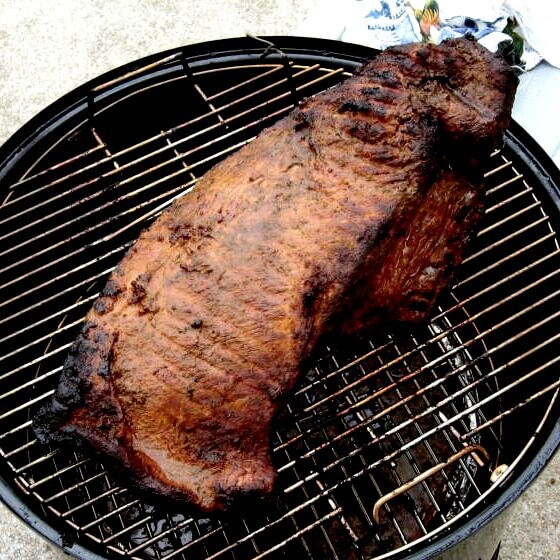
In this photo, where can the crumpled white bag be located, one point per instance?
(374, 23)
(380, 24)
(538, 22)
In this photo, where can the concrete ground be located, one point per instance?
(48, 47)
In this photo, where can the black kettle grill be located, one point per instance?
(402, 445)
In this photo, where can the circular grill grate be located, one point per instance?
(387, 441)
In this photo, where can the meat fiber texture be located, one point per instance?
(351, 211)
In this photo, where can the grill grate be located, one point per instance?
(388, 440)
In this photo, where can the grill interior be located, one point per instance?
(388, 440)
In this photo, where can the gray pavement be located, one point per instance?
(48, 47)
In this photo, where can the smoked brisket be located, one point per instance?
(353, 210)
